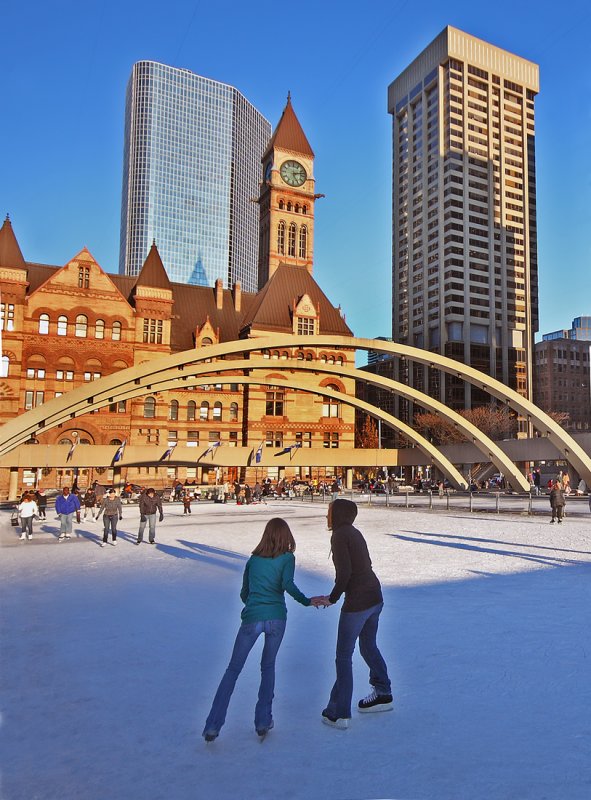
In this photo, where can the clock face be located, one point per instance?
(293, 173)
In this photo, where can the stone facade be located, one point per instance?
(64, 326)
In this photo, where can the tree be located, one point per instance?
(366, 434)
(496, 422)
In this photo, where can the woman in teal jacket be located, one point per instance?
(267, 576)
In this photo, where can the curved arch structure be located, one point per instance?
(170, 380)
(153, 376)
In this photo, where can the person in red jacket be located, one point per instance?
(359, 618)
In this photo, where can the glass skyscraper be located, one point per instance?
(192, 165)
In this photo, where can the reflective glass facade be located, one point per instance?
(192, 164)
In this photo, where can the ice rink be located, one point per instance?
(110, 658)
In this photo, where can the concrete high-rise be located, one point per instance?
(465, 274)
(192, 164)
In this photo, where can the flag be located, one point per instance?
(168, 452)
(71, 451)
(119, 454)
(259, 453)
(290, 450)
(211, 449)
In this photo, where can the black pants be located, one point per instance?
(557, 512)
(110, 521)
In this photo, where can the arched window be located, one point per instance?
(304, 209)
(291, 241)
(297, 208)
(284, 355)
(233, 412)
(289, 206)
(331, 406)
(44, 324)
(300, 355)
(217, 411)
(4, 367)
(116, 332)
(99, 329)
(173, 410)
(150, 407)
(62, 326)
(303, 241)
(339, 361)
(331, 359)
(281, 237)
(116, 441)
(191, 411)
(275, 354)
(204, 410)
(323, 358)
(266, 354)
(81, 325)
(309, 357)
(281, 205)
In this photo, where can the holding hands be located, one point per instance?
(320, 601)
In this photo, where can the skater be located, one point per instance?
(66, 505)
(89, 504)
(335, 490)
(150, 503)
(359, 618)
(41, 499)
(27, 510)
(557, 502)
(113, 510)
(187, 503)
(268, 574)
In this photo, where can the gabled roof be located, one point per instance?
(153, 273)
(273, 306)
(10, 252)
(289, 134)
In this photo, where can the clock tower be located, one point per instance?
(287, 199)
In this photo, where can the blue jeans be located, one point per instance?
(110, 523)
(151, 520)
(248, 633)
(66, 523)
(353, 625)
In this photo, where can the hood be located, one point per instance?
(343, 513)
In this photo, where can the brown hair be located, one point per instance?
(277, 539)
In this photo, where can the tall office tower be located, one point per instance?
(465, 273)
(191, 169)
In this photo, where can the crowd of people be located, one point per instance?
(96, 501)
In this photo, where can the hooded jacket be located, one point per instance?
(354, 574)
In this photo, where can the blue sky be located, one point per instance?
(64, 67)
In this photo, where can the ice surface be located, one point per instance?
(110, 658)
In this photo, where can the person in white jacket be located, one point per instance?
(27, 510)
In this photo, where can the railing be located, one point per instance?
(474, 502)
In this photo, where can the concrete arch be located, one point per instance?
(437, 458)
(14, 432)
(487, 447)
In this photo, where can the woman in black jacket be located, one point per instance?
(359, 618)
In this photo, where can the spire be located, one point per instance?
(10, 252)
(289, 134)
(153, 273)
